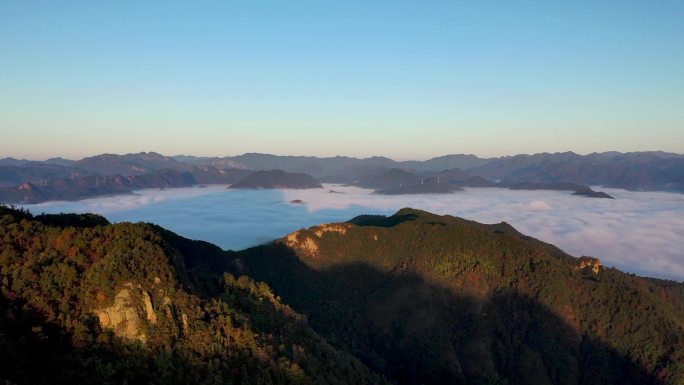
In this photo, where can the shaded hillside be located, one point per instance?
(592, 194)
(86, 302)
(430, 186)
(65, 189)
(460, 161)
(334, 169)
(631, 171)
(434, 299)
(126, 165)
(557, 186)
(417, 297)
(645, 171)
(277, 179)
(453, 175)
(577, 189)
(394, 178)
(16, 174)
(88, 186)
(9, 161)
(478, 181)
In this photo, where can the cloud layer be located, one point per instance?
(640, 232)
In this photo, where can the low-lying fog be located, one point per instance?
(639, 232)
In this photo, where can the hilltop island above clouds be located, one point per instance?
(23, 181)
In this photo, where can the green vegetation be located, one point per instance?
(73, 296)
(414, 298)
(434, 299)
(465, 263)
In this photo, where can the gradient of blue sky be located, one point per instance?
(405, 79)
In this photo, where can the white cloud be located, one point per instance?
(641, 232)
(109, 204)
(539, 206)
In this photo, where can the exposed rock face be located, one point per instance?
(335, 228)
(149, 310)
(301, 241)
(186, 326)
(594, 264)
(124, 315)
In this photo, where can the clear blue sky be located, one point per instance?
(405, 79)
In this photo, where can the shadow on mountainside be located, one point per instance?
(121, 304)
(35, 351)
(219, 344)
(412, 329)
(381, 220)
(419, 332)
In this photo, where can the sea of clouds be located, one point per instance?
(639, 232)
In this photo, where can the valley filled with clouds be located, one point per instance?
(639, 232)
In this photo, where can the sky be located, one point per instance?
(404, 79)
(638, 232)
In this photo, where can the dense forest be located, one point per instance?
(413, 298)
(83, 301)
(427, 299)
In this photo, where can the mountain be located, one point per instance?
(428, 299)
(430, 186)
(592, 194)
(210, 161)
(89, 186)
(65, 189)
(217, 175)
(83, 301)
(126, 165)
(277, 179)
(559, 186)
(13, 175)
(643, 171)
(12, 162)
(478, 181)
(415, 298)
(393, 178)
(459, 161)
(338, 169)
(60, 161)
(577, 189)
(453, 175)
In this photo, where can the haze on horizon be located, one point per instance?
(392, 78)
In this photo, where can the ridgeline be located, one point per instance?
(413, 298)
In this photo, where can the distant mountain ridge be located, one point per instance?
(88, 186)
(638, 171)
(277, 179)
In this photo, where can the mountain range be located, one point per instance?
(23, 181)
(413, 298)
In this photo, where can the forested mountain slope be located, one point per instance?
(83, 301)
(415, 298)
(434, 299)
